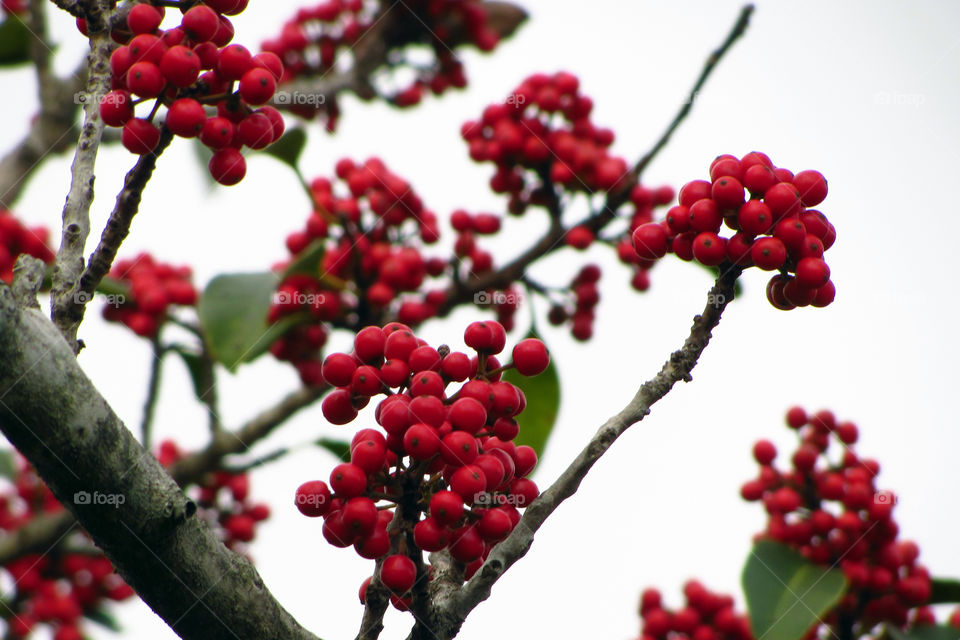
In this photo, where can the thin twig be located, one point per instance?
(452, 612)
(153, 392)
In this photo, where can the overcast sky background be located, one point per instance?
(865, 92)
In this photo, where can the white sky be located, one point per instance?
(865, 92)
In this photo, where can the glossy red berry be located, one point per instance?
(764, 452)
(348, 480)
(180, 66)
(768, 253)
(812, 187)
(709, 249)
(145, 79)
(228, 167)
(650, 240)
(144, 18)
(116, 108)
(200, 22)
(446, 507)
(139, 136)
(186, 117)
(257, 86)
(530, 357)
(812, 272)
(313, 498)
(398, 573)
(234, 62)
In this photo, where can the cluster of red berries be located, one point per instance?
(189, 69)
(223, 500)
(366, 225)
(579, 312)
(311, 43)
(706, 616)
(153, 287)
(542, 135)
(16, 239)
(56, 589)
(833, 514)
(446, 455)
(775, 230)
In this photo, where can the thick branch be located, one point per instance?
(120, 494)
(505, 554)
(76, 211)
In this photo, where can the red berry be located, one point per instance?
(459, 448)
(337, 407)
(348, 480)
(338, 369)
(705, 215)
(234, 62)
(494, 525)
(812, 187)
(200, 22)
(145, 80)
(399, 345)
(421, 441)
(764, 452)
(398, 573)
(116, 108)
(446, 507)
(768, 253)
(227, 166)
(530, 357)
(180, 65)
(146, 48)
(825, 295)
(313, 498)
(758, 178)
(144, 18)
(360, 516)
(257, 86)
(468, 482)
(812, 272)
(186, 117)
(754, 217)
(727, 192)
(650, 240)
(693, 191)
(579, 237)
(430, 535)
(139, 136)
(485, 336)
(217, 133)
(709, 249)
(783, 200)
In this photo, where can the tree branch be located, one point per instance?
(133, 510)
(449, 618)
(69, 309)
(76, 211)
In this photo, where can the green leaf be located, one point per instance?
(308, 261)
(104, 619)
(926, 632)
(543, 404)
(194, 364)
(14, 42)
(233, 315)
(8, 464)
(786, 593)
(289, 147)
(943, 590)
(339, 448)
